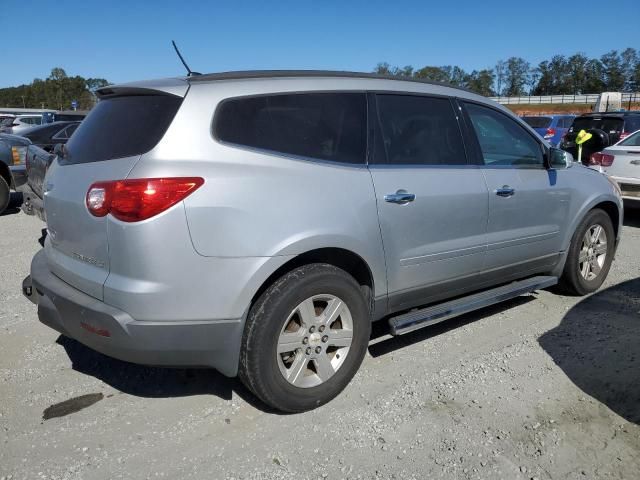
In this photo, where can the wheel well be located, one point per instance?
(611, 209)
(4, 173)
(346, 260)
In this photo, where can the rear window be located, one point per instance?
(325, 126)
(121, 127)
(606, 124)
(631, 141)
(538, 122)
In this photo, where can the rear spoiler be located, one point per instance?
(171, 86)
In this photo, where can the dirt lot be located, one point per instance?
(541, 387)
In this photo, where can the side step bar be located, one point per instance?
(425, 317)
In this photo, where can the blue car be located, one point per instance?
(550, 127)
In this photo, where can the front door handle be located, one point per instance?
(505, 191)
(401, 197)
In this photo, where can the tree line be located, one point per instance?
(615, 71)
(55, 92)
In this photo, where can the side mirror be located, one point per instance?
(58, 150)
(559, 159)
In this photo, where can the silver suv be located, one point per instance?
(258, 222)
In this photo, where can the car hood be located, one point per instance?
(13, 140)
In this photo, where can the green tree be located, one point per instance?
(576, 69)
(517, 71)
(630, 62)
(481, 82)
(613, 71)
(434, 74)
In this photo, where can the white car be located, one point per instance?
(20, 123)
(622, 163)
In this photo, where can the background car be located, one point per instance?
(47, 136)
(550, 127)
(12, 166)
(606, 128)
(64, 115)
(20, 123)
(622, 163)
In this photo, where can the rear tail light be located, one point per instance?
(138, 199)
(602, 159)
(550, 133)
(15, 155)
(624, 135)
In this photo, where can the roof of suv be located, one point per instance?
(179, 85)
(240, 75)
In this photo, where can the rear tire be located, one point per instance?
(5, 195)
(590, 255)
(305, 338)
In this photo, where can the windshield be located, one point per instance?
(632, 140)
(538, 122)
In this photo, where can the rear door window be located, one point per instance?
(324, 126)
(420, 130)
(121, 127)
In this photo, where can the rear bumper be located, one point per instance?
(114, 333)
(31, 203)
(19, 175)
(630, 187)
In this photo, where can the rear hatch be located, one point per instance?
(126, 123)
(605, 130)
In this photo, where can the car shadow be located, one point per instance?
(597, 345)
(631, 215)
(391, 344)
(154, 382)
(162, 382)
(15, 201)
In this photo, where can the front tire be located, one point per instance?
(590, 255)
(305, 338)
(5, 195)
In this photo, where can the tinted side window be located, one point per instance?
(632, 123)
(502, 140)
(420, 131)
(326, 126)
(121, 127)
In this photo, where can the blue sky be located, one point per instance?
(129, 40)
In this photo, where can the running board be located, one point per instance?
(425, 317)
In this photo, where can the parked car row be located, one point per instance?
(15, 151)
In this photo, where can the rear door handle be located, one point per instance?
(505, 191)
(401, 197)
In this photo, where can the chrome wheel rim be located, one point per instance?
(314, 341)
(593, 252)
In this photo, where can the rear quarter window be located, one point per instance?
(324, 126)
(537, 122)
(121, 127)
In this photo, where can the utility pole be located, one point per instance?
(23, 104)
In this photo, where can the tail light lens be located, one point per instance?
(602, 159)
(138, 199)
(550, 133)
(15, 155)
(624, 135)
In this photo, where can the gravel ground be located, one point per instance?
(540, 387)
